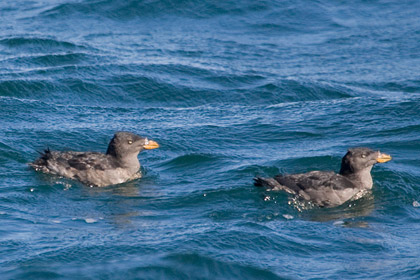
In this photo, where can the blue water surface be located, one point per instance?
(230, 90)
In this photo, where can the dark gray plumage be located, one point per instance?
(118, 165)
(329, 189)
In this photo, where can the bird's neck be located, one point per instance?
(362, 177)
(130, 162)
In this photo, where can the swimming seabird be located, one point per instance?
(118, 165)
(327, 188)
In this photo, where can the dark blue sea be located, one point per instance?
(230, 90)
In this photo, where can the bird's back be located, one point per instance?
(325, 188)
(88, 167)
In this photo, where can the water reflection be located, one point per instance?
(129, 189)
(124, 203)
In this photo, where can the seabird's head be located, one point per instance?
(125, 144)
(358, 159)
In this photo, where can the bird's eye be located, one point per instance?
(130, 142)
(363, 156)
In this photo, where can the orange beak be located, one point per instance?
(150, 144)
(383, 158)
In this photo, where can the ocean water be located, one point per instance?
(230, 90)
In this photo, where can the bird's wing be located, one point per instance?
(63, 163)
(85, 161)
(314, 180)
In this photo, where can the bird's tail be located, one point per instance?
(273, 184)
(258, 181)
(42, 160)
(266, 182)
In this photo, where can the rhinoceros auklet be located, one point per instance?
(326, 188)
(118, 165)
